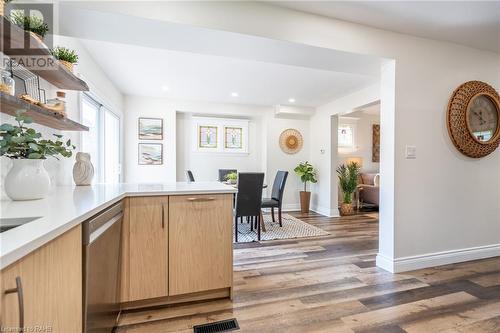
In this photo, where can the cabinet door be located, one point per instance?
(200, 243)
(148, 248)
(51, 280)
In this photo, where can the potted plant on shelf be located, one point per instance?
(65, 56)
(232, 178)
(348, 182)
(306, 173)
(35, 25)
(28, 179)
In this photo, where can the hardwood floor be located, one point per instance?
(331, 284)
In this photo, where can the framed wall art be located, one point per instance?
(207, 137)
(376, 143)
(233, 137)
(150, 154)
(150, 128)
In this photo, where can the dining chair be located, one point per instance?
(248, 199)
(224, 172)
(276, 199)
(190, 177)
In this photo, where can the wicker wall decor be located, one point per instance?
(291, 141)
(459, 127)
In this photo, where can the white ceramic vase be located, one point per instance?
(27, 180)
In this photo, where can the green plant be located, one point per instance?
(348, 180)
(232, 176)
(306, 173)
(65, 54)
(21, 142)
(30, 23)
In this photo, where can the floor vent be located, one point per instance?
(218, 326)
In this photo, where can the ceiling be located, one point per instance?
(471, 23)
(192, 76)
(202, 64)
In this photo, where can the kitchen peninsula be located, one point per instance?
(175, 242)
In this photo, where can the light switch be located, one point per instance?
(411, 152)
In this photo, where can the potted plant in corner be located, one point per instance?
(35, 25)
(65, 56)
(348, 181)
(28, 179)
(306, 173)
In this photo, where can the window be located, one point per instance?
(346, 136)
(102, 141)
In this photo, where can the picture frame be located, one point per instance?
(208, 137)
(233, 137)
(150, 153)
(150, 128)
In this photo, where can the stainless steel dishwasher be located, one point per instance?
(101, 270)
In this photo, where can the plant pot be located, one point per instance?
(37, 36)
(305, 200)
(27, 180)
(346, 209)
(67, 64)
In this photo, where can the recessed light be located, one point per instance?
(291, 100)
(234, 94)
(164, 88)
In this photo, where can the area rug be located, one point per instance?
(292, 228)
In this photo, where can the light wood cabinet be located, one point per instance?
(200, 243)
(51, 283)
(145, 248)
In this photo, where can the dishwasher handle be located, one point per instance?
(102, 229)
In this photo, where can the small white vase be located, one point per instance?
(27, 180)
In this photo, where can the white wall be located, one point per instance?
(434, 206)
(363, 137)
(278, 160)
(136, 107)
(61, 171)
(264, 154)
(205, 165)
(324, 153)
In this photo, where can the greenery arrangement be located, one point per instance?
(30, 23)
(21, 142)
(232, 176)
(306, 173)
(64, 54)
(348, 179)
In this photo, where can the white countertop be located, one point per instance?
(69, 206)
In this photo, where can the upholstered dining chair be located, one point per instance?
(248, 199)
(224, 172)
(189, 175)
(276, 199)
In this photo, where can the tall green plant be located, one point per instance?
(21, 142)
(348, 180)
(306, 173)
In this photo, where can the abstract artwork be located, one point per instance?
(207, 137)
(150, 129)
(150, 153)
(376, 143)
(233, 138)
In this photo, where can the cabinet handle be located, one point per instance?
(201, 199)
(163, 216)
(19, 290)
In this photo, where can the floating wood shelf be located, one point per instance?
(20, 44)
(10, 104)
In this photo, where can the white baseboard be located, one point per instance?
(285, 208)
(412, 263)
(326, 211)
